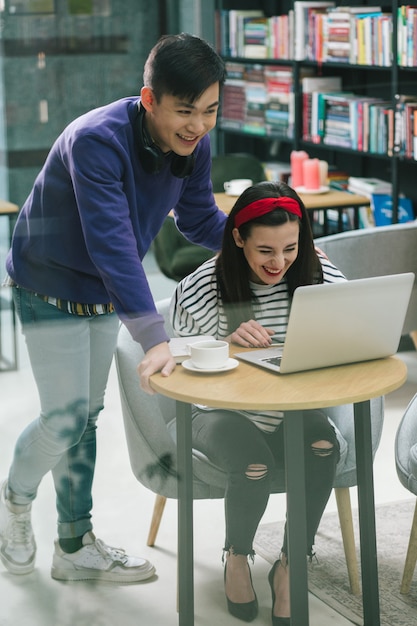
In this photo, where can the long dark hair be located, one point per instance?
(232, 269)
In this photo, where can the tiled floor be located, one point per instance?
(122, 512)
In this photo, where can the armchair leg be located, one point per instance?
(158, 510)
(344, 509)
(413, 336)
(411, 558)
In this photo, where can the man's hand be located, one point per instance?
(157, 359)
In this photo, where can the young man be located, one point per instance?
(75, 266)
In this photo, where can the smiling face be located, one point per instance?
(178, 125)
(269, 251)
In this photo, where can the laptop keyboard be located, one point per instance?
(274, 360)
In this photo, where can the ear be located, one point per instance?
(147, 98)
(238, 239)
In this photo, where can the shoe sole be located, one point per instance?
(101, 576)
(13, 568)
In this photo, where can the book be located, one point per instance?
(415, 135)
(179, 349)
(368, 186)
(383, 213)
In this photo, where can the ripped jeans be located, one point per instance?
(250, 457)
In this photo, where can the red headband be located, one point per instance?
(266, 205)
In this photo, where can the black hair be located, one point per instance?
(232, 269)
(183, 65)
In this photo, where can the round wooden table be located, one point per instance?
(249, 387)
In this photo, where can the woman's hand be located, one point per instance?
(157, 359)
(252, 335)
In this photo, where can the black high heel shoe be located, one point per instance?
(276, 621)
(246, 611)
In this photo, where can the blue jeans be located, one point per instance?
(70, 358)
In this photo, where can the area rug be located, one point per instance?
(328, 578)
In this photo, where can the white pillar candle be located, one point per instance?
(324, 173)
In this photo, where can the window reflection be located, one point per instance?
(72, 7)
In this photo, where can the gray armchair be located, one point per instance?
(376, 252)
(150, 428)
(406, 464)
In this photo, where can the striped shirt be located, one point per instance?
(196, 309)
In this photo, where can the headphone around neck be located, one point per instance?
(151, 156)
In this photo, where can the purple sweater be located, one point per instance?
(93, 213)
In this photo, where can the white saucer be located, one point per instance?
(312, 192)
(230, 365)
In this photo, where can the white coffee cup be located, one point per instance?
(236, 186)
(210, 354)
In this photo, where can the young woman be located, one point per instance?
(244, 295)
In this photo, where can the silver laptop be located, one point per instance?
(339, 323)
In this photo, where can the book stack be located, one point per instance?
(336, 128)
(365, 34)
(234, 97)
(304, 33)
(281, 44)
(405, 142)
(368, 186)
(381, 125)
(255, 38)
(381, 210)
(256, 98)
(310, 85)
(277, 170)
(363, 123)
(248, 33)
(235, 29)
(337, 41)
(407, 36)
(279, 110)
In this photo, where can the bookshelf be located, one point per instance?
(364, 100)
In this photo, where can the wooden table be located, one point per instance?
(248, 387)
(10, 210)
(337, 200)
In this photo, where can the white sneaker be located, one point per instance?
(17, 543)
(98, 561)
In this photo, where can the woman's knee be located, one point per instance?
(256, 471)
(320, 435)
(322, 448)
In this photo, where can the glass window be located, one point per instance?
(31, 6)
(88, 7)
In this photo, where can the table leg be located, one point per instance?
(325, 223)
(296, 516)
(364, 469)
(185, 516)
